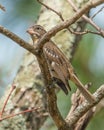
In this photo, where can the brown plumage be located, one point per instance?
(60, 68)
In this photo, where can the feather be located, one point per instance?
(61, 85)
(57, 65)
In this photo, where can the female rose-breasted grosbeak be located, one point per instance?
(60, 68)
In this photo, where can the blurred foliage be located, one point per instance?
(96, 122)
(84, 54)
(21, 10)
(27, 9)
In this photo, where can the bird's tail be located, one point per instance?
(61, 84)
(88, 96)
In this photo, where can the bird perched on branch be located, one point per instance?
(60, 68)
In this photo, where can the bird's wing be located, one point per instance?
(57, 62)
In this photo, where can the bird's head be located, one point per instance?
(36, 32)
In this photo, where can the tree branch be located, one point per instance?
(53, 31)
(100, 31)
(2, 7)
(17, 39)
(67, 23)
(97, 12)
(51, 96)
(82, 109)
(58, 13)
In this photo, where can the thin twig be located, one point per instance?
(75, 8)
(2, 7)
(58, 13)
(67, 23)
(88, 19)
(5, 103)
(85, 32)
(97, 12)
(13, 115)
(61, 17)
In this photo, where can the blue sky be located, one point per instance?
(10, 53)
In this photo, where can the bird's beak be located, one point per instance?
(30, 31)
(33, 33)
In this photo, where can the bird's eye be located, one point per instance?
(38, 28)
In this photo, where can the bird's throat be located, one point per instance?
(35, 40)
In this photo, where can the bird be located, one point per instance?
(60, 68)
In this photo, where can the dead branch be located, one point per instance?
(100, 31)
(58, 13)
(97, 12)
(5, 103)
(2, 7)
(84, 17)
(77, 99)
(65, 24)
(82, 109)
